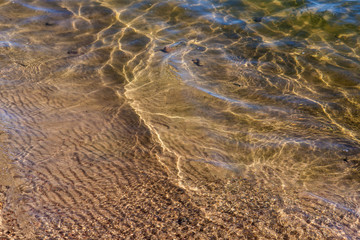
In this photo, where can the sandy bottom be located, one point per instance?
(105, 136)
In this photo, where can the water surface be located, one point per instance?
(180, 119)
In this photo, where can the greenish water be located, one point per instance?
(180, 119)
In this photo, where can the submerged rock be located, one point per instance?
(257, 19)
(197, 62)
(173, 47)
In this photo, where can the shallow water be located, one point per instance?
(180, 119)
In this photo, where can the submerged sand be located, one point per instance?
(104, 136)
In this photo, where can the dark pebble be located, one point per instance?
(49, 24)
(257, 19)
(197, 62)
(166, 49)
(21, 64)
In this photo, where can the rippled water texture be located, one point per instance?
(179, 119)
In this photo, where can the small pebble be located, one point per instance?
(257, 19)
(197, 62)
(166, 49)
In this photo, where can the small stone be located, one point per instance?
(197, 62)
(166, 49)
(257, 19)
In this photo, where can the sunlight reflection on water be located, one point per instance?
(180, 119)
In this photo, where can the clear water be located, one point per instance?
(183, 119)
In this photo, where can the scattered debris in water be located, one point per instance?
(197, 62)
(49, 24)
(21, 64)
(173, 47)
(257, 19)
(166, 49)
